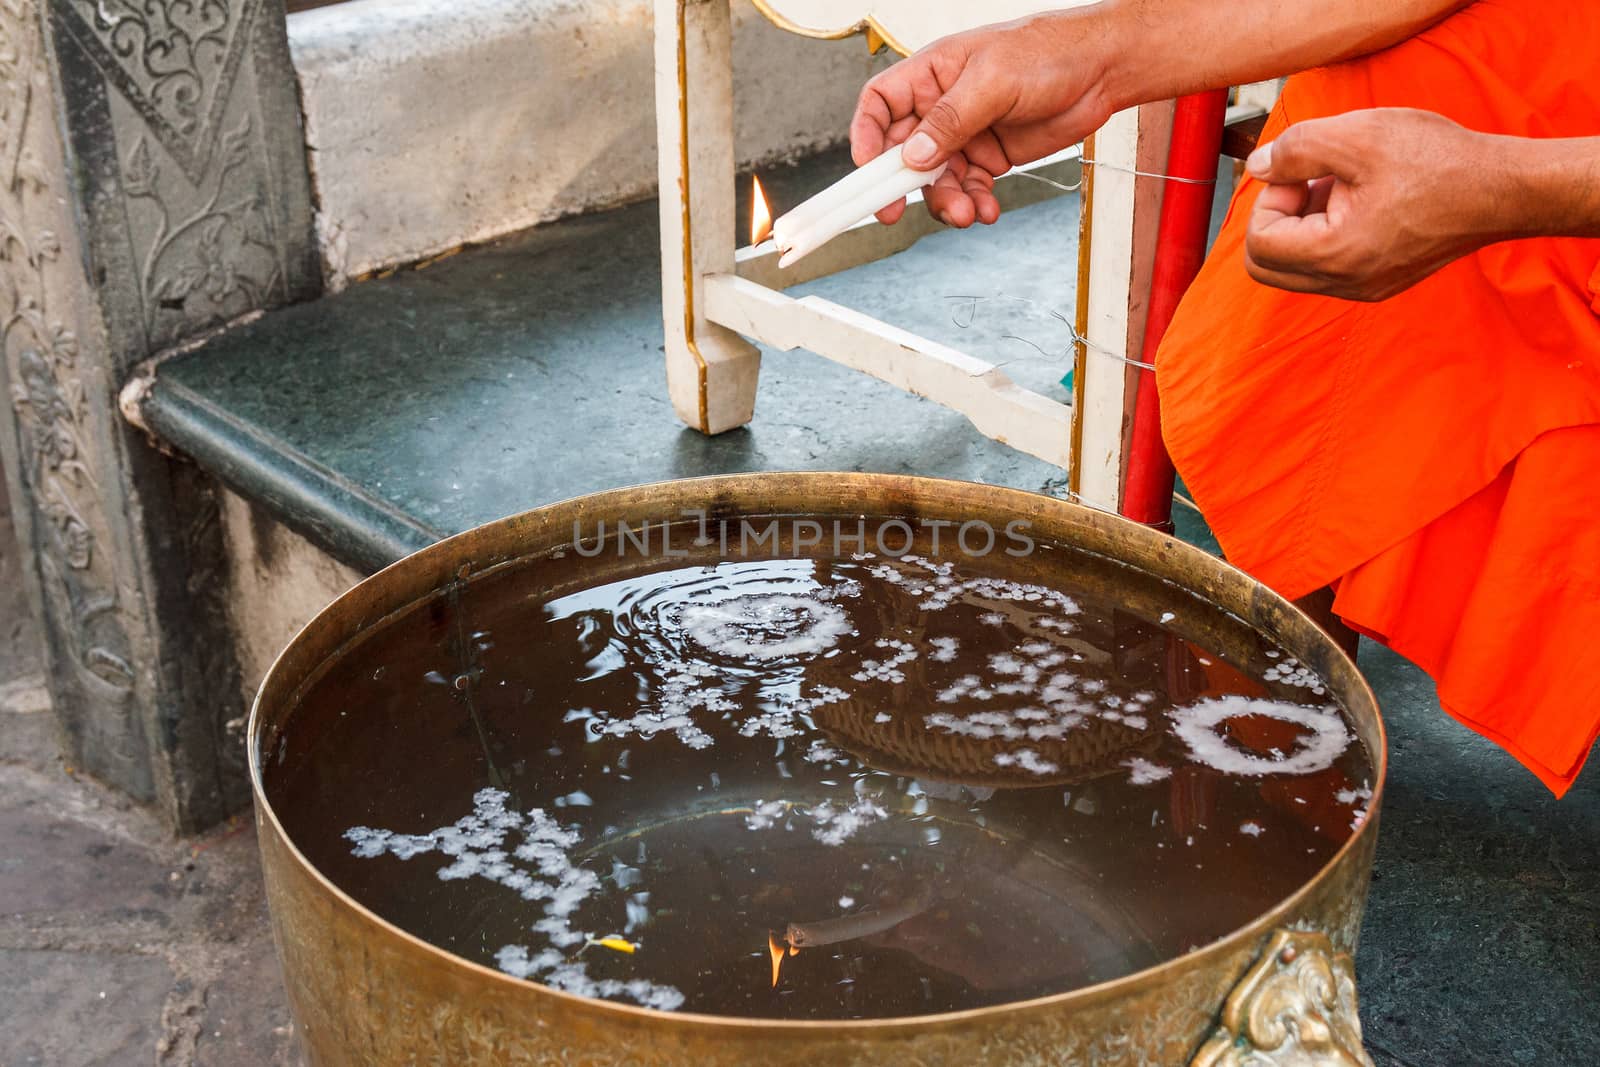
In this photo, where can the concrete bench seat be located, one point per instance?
(528, 370)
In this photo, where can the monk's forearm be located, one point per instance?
(1542, 187)
(1164, 48)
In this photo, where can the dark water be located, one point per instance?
(949, 781)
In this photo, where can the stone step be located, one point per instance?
(530, 369)
(432, 124)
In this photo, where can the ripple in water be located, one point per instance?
(765, 627)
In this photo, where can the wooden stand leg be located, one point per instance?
(1121, 212)
(711, 371)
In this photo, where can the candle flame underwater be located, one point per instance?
(760, 215)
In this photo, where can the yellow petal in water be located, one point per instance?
(616, 944)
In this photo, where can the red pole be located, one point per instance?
(1180, 249)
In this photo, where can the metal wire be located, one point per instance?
(1065, 188)
(1148, 173)
(970, 303)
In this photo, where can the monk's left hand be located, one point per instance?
(1365, 205)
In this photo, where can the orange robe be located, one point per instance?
(1435, 457)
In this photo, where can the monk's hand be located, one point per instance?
(1365, 205)
(986, 101)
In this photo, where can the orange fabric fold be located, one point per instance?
(1435, 456)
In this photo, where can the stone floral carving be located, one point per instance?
(48, 388)
(173, 59)
(152, 186)
(1295, 1008)
(191, 165)
(219, 258)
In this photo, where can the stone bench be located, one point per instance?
(363, 426)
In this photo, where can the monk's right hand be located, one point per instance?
(986, 100)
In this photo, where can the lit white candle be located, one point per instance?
(846, 202)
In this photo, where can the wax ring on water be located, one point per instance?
(1196, 725)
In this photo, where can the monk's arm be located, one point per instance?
(1002, 95)
(1166, 48)
(1551, 188)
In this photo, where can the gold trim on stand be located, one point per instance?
(1080, 344)
(688, 232)
(876, 35)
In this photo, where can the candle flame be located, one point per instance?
(760, 212)
(776, 948)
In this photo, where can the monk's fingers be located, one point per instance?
(1288, 200)
(942, 203)
(890, 94)
(1318, 193)
(1289, 281)
(985, 151)
(1340, 145)
(872, 140)
(948, 201)
(1292, 229)
(978, 184)
(1297, 243)
(1307, 254)
(869, 129)
(884, 102)
(892, 214)
(900, 129)
(897, 131)
(1342, 286)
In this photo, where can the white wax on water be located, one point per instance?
(846, 202)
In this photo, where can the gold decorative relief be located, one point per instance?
(904, 25)
(1295, 1008)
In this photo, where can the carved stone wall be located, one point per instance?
(177, 201)
(186, 134)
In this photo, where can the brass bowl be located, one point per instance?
(363, 991)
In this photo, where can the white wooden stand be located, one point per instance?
(715, 296)
(1118, 238)
(711, 371)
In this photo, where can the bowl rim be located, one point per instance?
(923, 489)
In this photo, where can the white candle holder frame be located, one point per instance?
(717, 296)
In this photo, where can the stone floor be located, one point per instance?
(119, 946)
